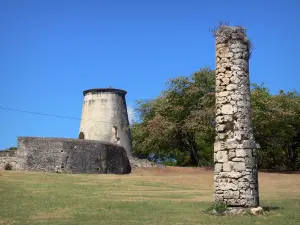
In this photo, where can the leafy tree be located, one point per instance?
(12, 148)
(276, 120)
(178, 122)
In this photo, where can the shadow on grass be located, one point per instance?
(218, 209)
(270, 208)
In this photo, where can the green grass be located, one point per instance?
(139, 198)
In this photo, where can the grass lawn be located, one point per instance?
(147, 196)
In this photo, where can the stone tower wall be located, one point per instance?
(105, 118)
(235, 172)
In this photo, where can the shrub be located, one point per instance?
(170, 163)
(217, 209)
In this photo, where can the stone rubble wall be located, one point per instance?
(9, 160)
(7, 153)
(143, 163)
(8, 157)
(235, 171)
(66, 155)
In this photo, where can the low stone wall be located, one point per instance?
(7, 153)
(71, 156)
(9, 163)
(139, 163)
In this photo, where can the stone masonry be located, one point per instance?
(66, 155)
(235, 171)
(105, 118)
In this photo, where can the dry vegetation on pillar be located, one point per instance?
(235, 178)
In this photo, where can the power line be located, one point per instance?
(50, 115)
(38, 113)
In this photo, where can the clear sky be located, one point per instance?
(52, 50)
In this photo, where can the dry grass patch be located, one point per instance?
(54, 215)
(147, 196)
(6, 222)
(275, 185)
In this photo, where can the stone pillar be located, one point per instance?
(235, 172)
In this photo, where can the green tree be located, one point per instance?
(12, 148)
(179, 122)
(276, 120)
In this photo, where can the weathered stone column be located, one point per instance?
(235, 174)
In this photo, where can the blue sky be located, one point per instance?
(52, 50)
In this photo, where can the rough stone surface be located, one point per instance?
(232, 211)
(138, 163)
(105, 118)
(68, 155)
(7, 153)
(257, 211)
(221, 157)
(9, 160)
(235, 175)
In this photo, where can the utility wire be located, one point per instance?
(51, 115)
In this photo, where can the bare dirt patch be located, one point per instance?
(168, 171)
(271, 185)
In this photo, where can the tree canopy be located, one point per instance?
(179, 123)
